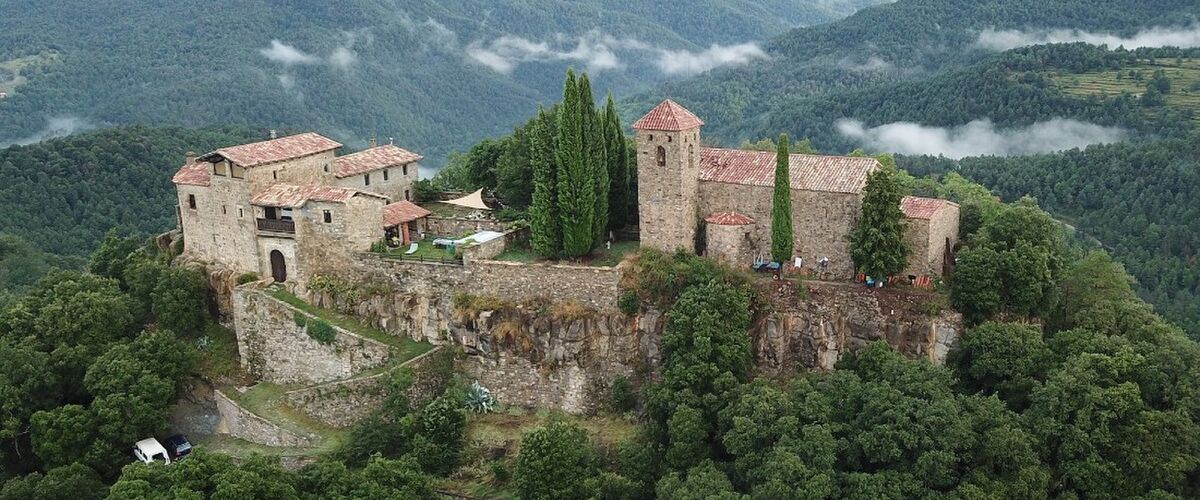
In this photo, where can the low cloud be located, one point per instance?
(871, 64)
(343, 58)
(980, 137)
(683, 62)
(595, 50)
(999, 40)
(60, 126)
(287, 55)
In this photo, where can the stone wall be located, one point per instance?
(667, 193)
(346, 402)
(398, 184)
(491, 249)
(275, 349)
(446, 227)
(221, 228)
(241, 423)
(730, 244)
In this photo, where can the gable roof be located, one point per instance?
(834, 174)
(293, 196)
(193, 174)
(729, 219)
(922, 208)
(275, 150)
(373, 159)
(668, 116)
(401, 212)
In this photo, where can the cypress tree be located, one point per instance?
(877, 243)
(618, 167)
(782, 235)
(576, 195)
(594, 156)
(546, 238)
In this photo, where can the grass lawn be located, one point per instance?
(403, 348)
(267, 400)
(600, 257)
(426, 251)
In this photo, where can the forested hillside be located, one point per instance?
(1138, 200)
(63, 195)
(434, 75)
(909, 40)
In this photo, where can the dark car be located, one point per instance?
(177, 447)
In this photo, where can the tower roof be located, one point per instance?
(668, 116)
(274, 150)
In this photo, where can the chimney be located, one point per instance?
(273, 134)
(372, 141)
(391, 141)
(190, 157)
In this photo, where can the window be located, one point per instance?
(240, 213)
(651, 137)
(406, 170)
(661, 156)
(668, 138)
(385, 174)
(224, 211)
(237, 172)
(275, 174)
(367, 180)
(192, 201)
(406, 197)
(328, 217)
(220, 168)
(326, 168)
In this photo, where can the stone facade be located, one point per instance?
(241, 423)
(931, 240)
(668, 164)
(275, 349)
(221, 227)
(397, 183)
(731, 244)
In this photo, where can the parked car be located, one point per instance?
(170, 450)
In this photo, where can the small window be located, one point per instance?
(661, 156)
(406, 197)
(367, 180)
(385, 174)
(668, 138)
(192, 201)
(406, 170)
(651, 137)
(275, 174)
(224, 211)
(326, 168)
(237, 172)
(240, 213)
(328, 217)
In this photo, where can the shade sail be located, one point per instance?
(473, 200)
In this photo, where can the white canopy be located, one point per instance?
(473, 200)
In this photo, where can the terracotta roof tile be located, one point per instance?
(729, 219)
(293, 196)
(276, 150)
(193, 174)
(401, 212)
(836, 174)
(922, 208)
(373, 159)
(668, 116)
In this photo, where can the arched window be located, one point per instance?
(661, 156)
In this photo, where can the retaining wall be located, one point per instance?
(243, 424)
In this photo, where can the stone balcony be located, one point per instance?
(285, 227)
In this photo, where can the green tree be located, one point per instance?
(619, 203)
(69, 482)
(554, 462)
(595, 152)
(544, 221)
(514, 168)
(180, 300)
(1006, 359)
(113, 256)
(576, 193)
(782, 235)
(877, 243)
(702, 482)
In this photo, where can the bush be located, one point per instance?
(300, 319)
(500, 473)
(379, 247)
(624, 397)
(629, 303)
(321, 331)
(244, 278)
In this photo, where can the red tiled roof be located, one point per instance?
(668, 116)
(276, 150)
(193, 174)
(373, 159)
(402, 211)
(729, 219)
(293, 196)
(836, 174)
(922, 208)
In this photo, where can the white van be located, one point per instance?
(149, 450)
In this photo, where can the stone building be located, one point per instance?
(932, 233)
(683, 185)
(280, 207)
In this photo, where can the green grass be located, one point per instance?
(269, 401)
(217, 355)
(1113, 82)
(600, 257)
(11, 77)
(403, 348)
(426, 251)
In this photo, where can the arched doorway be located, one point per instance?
(278, 267)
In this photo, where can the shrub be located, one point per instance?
(500, 473)
(624, 397)
(379, 247)
(629, 303)
(300, 319)
(321, 331)
(244, 278)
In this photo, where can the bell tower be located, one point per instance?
(668, 162)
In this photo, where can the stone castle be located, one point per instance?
(683, 187)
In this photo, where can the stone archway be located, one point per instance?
(278, 266)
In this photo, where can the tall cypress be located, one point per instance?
(546, 238)
(782, 235)
(877, 243)
(576, 195)
(618, 168)
(594, 156)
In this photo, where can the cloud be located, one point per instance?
(871, 64)
(287, 55)
(980, 137)
(1152, 37)
(287, 81)
(60, 126)
(343, 58)
(595, 50)
(683, 62)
